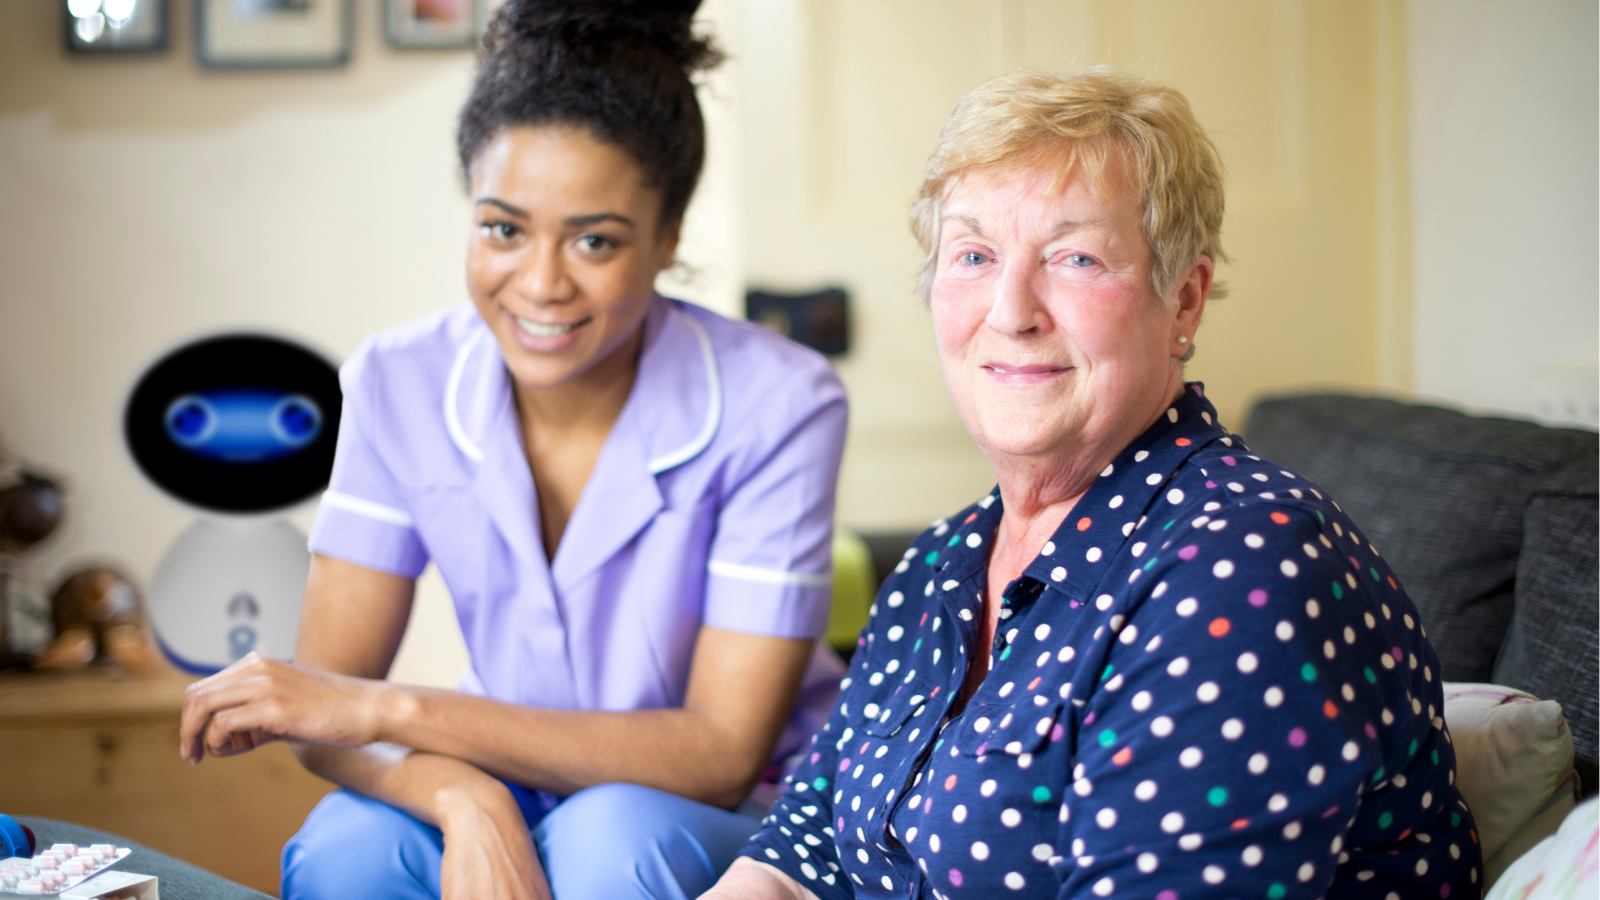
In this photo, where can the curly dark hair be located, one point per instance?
(619, 68)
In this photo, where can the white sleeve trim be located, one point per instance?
(375, 511)
(769, 576)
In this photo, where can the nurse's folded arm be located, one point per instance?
(331, 704)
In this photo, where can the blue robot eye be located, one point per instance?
(243, 425)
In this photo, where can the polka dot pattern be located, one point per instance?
(1190, 693)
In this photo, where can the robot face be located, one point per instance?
(236, 424)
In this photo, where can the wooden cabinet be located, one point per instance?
(100, 748)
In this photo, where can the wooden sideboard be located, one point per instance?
(100, 748)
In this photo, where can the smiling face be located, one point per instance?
(1055, 348)
(564, 253)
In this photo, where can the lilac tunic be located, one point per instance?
(711, 504)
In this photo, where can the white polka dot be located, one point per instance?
(1141, 456)
(1147, 862)
(1042, 632)
(1288, 568)
(1174, 496)
(1284, 631)
(1015, 881)
(933, 842)
(1161, 726)
(888, 883)
(1145, 790)
(1190, 757)
(1316, 775)
(1115, 501)
(1093, 555)
(1235, 486)
(1351, 751)
(1223, 568)
(1010, 818)
(1207, 692)
(1190, 842)
(861, 854)
(980, 851)
(896, 598)
(1278, 803)
(1127, 529)
(809, 870)
(1257, 763)
(1178, 667)
(987, 789)
(1273, 697)
(959, 814)
(1106, 472)
(1042, 852)
(974, 540)
(1422, 867)
(1251, 855)
(1172, 822)
(1187, 606)
(1232, 729)
(896, 632)
(1082, 787)
(1058, 573)
(1427, 799)
(1103, 602)
(1291, 830)
(950, 585)
(1141, 701)
(1155, 478)
(1106, 818)
(1213, 874)
(1306, 871)
(1066, 654)
(1104, 887)
(1248, 663)
(1049, 548)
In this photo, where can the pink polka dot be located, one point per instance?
(1297, 737)
(1058, 732)
(1398, 654)
(1168, 894)
(1230, 460)
(1210, 483)
(1444, 889)
(841, 823)
(1331, 811)
(1371, 731)
(1258, 598)
(955, 877)
(1076, 604)
(1089, 719)
(844, 764)
(1188, 552)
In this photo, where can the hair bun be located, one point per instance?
(664, 24)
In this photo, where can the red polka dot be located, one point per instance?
(1280, 518)
(1240, 824)
(1035, 683)
(969, 518)
(1329, 709)
(950, 783)
(1404, 834)
(1219, 627)
(1123, 757)
(1392, 584)
(1182, 442)
(1084, 523)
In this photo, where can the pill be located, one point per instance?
(104, 848)
(8, 878)
(46, 861)
(73, 867)
(31, 886)
(71, 849)
(88, 859)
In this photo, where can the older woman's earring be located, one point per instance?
(1182, 339)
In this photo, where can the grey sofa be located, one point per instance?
(1490, 523)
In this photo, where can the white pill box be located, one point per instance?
(59, 870)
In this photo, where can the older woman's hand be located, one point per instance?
(258, 699)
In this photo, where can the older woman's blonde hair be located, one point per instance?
(1025, 119)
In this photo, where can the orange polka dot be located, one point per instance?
(1240, 824)
(969, 518)
(1329, 709)
(1474, 833)
(1083, 524)
(1404, 834)
(1219, 627)
(1392, 585)
(1035, 683)
(1182, 442)
(950, 783)
(1123, 757)
(1280, 518)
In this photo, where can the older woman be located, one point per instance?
(1150, 664)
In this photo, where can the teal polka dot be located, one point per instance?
(1107, 673)
(1412, 750)
(1169, 525)
(1374, 573)
(1151, 564)
(1276, 892)
(917, 646)
(1455, 820)
(931, 558)
(1006, 654)
(954, 539)
(820, 783)
(1108, 737)
(1308, 672)
(1378, 775)
(1338, 592)
(1217, 796)
(1372, 677)
(1041, 794)
(1319, 516)
(1436, 757)
(1385, 820)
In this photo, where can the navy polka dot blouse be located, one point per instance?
(1207, 684)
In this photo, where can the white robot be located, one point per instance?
(241, 428)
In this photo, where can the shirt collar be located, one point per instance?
(1077, 556)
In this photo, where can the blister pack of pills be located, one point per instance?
(61, 868)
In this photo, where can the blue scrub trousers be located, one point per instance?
(611, 840)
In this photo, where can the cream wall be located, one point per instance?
(1306, 103)
(1505, 121)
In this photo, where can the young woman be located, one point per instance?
(630, 498)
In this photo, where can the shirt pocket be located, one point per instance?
(887, 709)
(1011, 728)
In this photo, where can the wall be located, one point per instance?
(144, 200)
(1505, 145)
(1305, 101)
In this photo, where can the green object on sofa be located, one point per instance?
(854, 585)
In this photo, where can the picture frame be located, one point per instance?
(115, 26)
(432, 24)
(273, 34)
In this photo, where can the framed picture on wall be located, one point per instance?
(431, 24)
(265, 34)
(115, 26)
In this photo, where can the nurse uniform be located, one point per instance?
(711, 503)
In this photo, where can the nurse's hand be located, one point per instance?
(257, 700)
(487, 849)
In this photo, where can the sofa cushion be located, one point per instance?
(1562, 867)
(1439, 492)
(1553, 643)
